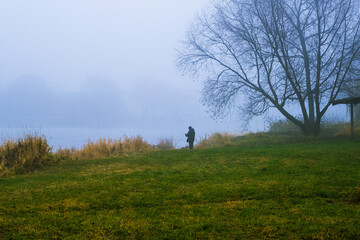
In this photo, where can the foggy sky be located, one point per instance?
(67, 41)
(98, 63)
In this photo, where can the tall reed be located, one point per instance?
(346, 130)
(105, 148)
(24, 155)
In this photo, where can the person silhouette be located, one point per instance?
(190, 137)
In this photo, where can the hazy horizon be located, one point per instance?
(101, 64)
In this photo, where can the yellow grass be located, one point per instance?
(346, 131)
(216, 139)
(24, 155)
(105, 148)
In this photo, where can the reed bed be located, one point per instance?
(25, 154)
(107, 148)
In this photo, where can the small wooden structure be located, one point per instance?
(352, 101)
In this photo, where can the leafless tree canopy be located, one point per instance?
(276, 53)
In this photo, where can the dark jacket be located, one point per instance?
(190, 135)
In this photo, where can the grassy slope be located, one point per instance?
(285, 191)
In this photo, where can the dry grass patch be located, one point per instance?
(216, 139)
(165, 144)
(346, 131)
(24, 155)
(107, 148)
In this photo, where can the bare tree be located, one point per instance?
(292, 55)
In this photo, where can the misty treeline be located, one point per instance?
(296, 56)
(100, 102)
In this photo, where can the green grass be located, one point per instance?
(248, 191)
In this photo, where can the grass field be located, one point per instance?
(298, 190)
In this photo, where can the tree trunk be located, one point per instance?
(317, 127)
(312, 129)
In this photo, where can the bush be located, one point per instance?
(105, 148)
(24, 155)
(135, 144)
(66, 152)
(284, 127)
(165, 144)
(216, 139)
